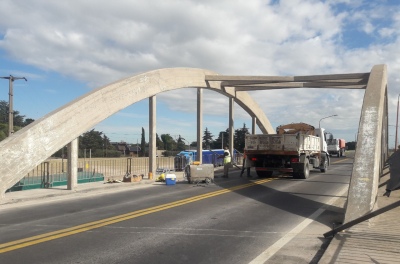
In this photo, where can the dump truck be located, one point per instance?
(295, 149)
(336, 146)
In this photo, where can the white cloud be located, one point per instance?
(98, 42)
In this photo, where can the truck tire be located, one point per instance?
(325, 166)
(305, 173)
(264, 174)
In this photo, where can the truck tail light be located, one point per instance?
(254, 159)
(292, 160)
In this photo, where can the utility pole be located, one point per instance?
(11, 79)
(397, 123)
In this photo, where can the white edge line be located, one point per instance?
(269, 252)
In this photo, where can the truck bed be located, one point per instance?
(282, 144)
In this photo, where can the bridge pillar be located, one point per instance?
(72, 165)
(253, 125)
(152, 136)
(199, 156)
(231, 126)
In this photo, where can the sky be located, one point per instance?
(67, 48)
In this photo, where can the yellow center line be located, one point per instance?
(338, 161)
(21, 243)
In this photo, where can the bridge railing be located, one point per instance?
(53, 172)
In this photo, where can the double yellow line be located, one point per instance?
(21, 243)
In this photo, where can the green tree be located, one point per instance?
(19, 121)
(180, 143)
(159, 143)
(2, 135)
(143, 144)
(207, 139)
(239, 137)
(222, 140)
(91, 140)
(169, 142)
(28, 121)
(351, 145)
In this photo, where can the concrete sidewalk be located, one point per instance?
(59, 192)
(376, 240)
(92, 187)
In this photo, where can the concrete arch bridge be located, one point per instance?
(33, 144)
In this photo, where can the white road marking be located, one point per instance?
(269, 252)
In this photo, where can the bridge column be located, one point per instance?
(231, 128)
(152, 136)
(199, 157)
(253, 125)
(72, 164)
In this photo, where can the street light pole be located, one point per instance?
(10, 102)
(319, 125)
(397, 123)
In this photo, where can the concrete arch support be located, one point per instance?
(33, 144)
(371, 147)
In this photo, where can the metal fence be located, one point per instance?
(53, 172)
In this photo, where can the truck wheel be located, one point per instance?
(264, 174)
(325, 167)
(305, 173)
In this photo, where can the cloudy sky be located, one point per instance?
(67, 48)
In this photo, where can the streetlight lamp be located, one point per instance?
(319, 124)
(10, 102)
(397, 123)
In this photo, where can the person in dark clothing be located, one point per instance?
(245, 166)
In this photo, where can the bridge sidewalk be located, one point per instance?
(61, 192)
(375, 240)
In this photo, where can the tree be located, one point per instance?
(169, 142)
(19, 121)
(180, 143)
(222, 140)
(239, 138)
(28, 121)
(159, 143)
(91, 140)
(98, 143)
(143, 144)
(351, 145)
(207, 139)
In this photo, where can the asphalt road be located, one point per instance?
(235, 220)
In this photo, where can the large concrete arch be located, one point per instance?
(35, 143)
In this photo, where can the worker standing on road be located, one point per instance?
(227, 162)
(245, 166)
